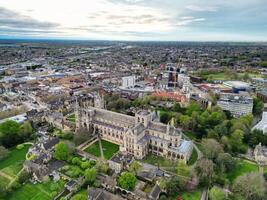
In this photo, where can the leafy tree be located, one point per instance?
(225, 162)
(257, 106)
(236, 141)
(127, 180)
(217, 194)
(177, 108)
(10, 133)
(204, 169)
(183, 169)
(3, 152)
(80, 138)
(165, 117)
(26, 130)
(187, 122)
(61, 151)
(251, 186)
(174, 185)
(23, 177)
(85, 164)
(90, 175)
(193, 107)
(135, 166)
(79, 197)
(211, 148)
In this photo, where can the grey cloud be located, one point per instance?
(11, 19)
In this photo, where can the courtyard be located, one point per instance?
(109, 149)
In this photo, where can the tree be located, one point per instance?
(236, 141)
(127, 180)
(10, 134)
(79, 197)
(174, 185)
(257, 106)
(251, 186)
(204, 169)
(225, 162)
(183, 169)
(135, 166)
(193, 107)
(217, 194)
(26, 130)
(177, 108)
(165, 117)
(61, 151)
(80, 137)
(3, 152)
(90, 175)
(211, 148)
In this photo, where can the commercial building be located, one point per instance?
(237, 104)
(128, 82)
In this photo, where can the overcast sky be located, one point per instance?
(179, 20)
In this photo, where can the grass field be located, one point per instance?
(242, 167)
(191, 196)
(224, 77)
(193, 157)
(109, 149)
(162, 162)
(71, 118)
(15, 158)
(44, 191)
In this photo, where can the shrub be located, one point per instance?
(20, 146)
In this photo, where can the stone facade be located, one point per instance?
(138, 135)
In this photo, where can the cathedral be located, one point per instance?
(137, 135)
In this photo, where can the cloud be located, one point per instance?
(11, 19)
(188, 20)
(199, 8)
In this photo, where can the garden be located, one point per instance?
(39, 191)
(109, 149)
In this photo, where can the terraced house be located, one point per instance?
(137, 135)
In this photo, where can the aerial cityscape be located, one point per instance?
(133, 99)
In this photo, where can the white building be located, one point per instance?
(237, 104)
(128, 82)
(262, 125)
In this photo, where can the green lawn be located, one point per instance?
(13, 163)
(71, 118)
(191, 196)
(3, 182)
(109, 149)
(162, 162)
(39, 191)
(242, 167)
(193, 157)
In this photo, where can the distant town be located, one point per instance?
(111, 120)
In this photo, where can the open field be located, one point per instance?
(109, 149)
(44, 191)
(10, 166)
(242, 167)
(225, 77)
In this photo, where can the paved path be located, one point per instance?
(204, 194)
(101, 149)
(6, 176)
